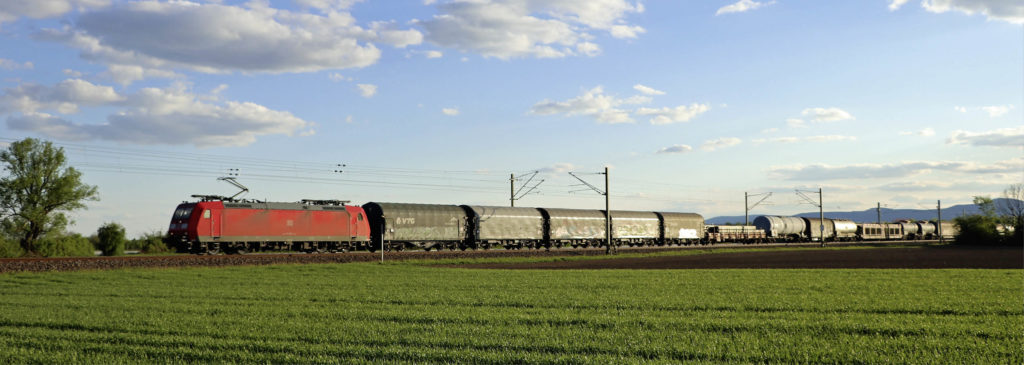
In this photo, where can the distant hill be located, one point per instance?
(870, 215)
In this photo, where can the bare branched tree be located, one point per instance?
(1012, 207)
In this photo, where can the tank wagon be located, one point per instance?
(845, 230)
(789, 230)
(786, 229)
(911, 230)
(215, 224)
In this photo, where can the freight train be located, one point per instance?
(216, 224)
(801, 229)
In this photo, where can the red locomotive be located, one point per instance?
(219, 224)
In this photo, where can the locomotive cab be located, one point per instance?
(177, 232)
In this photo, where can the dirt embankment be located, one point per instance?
(885, 257)
(929, 257)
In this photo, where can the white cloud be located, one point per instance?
(997, 110)
(450, 111)
(829, 138)
(65, 97)
(822, 138)
(827, 114)
(647, 90)
(795, 123)
(521, 28)
(678, 114)
(890, 170)
(927, 132)
(326, 4)
(593, 103)
(1006, 10)
(367, 90)
(626, 31)
(172, 115)
(39, 9)
(1006, 137)
(742, 6)
(720, 143)
(558, 168)
(14, 65)
(971, 185)
(388, 33)
(72, 73)
(127, 74)
(960, 109)
(679, 148)
(214, 38)
(770, 130)
(337, 77)
(896, 4)
(219, 89)
(604, 108)
(348, 119)
(434, 54)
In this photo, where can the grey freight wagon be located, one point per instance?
(575, 227)
(681, 228)
(429, 226)
(505, 226)
(635, 228)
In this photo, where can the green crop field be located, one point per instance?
(369, 313)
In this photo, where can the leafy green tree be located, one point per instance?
(64, 244)
(152, 242)
(111, 239)
(976, 229)
(38, 188)
(986, 205)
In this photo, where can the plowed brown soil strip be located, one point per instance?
(929, 257)
(102, 263)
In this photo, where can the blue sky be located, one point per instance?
(690, 104)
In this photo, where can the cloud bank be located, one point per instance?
(508, 29)
(172, 115)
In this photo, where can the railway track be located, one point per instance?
(123, 262)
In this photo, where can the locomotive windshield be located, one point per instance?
(183, 212)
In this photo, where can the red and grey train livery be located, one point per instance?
(216, 224)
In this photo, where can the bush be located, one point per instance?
(978, 230)
(111, 239)
(70, 244)
(152, 242)
(10, 247)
